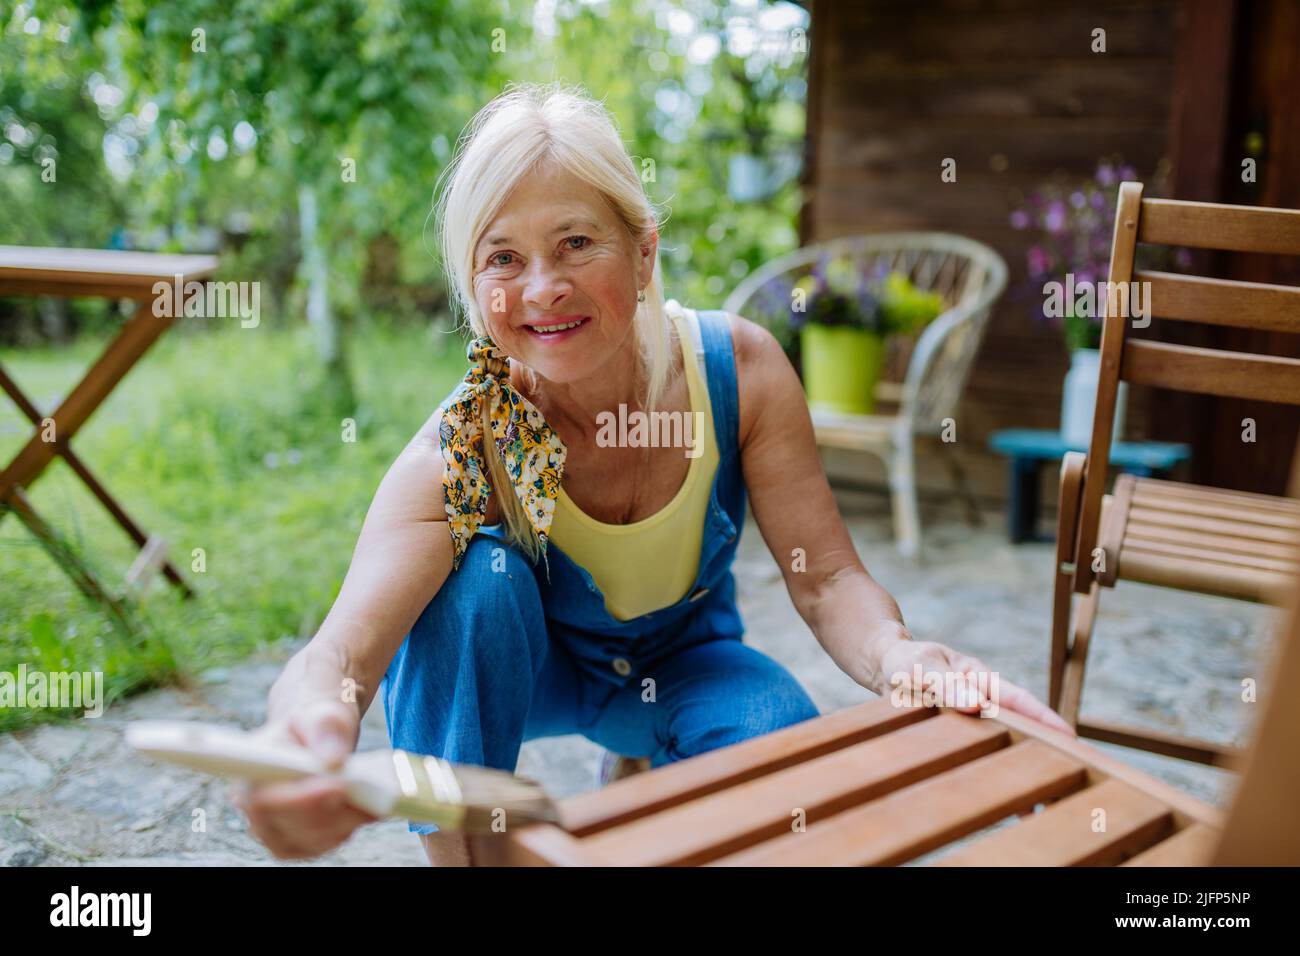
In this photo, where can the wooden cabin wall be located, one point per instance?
(1012, 91)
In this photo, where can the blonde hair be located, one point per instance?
(527, 125)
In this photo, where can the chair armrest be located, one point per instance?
(1067, 517)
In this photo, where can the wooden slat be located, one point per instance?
(721, 823)
(1220, 507)
(1214, 226)
(1263, 827)
(1063, 834)
(1190, 846)
(1223, 580)
(1189, 368)
(1207, 553)
(1187, 488)
(1159, 742)
(1261, 508)
(1165, 508)
(1243, 305)
(1151, 534)
(1101, 766)
(926, 815)
(675, 783)
(1225, 527)
(536, 845)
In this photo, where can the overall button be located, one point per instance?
(699, 593)
(622, 666)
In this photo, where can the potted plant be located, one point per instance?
(1075, 223)
(841, 316)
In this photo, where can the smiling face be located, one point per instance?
(556, 275)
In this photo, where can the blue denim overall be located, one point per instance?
(509, 651)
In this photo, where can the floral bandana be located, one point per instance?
(529, 448)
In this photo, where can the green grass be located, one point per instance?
(216, 440)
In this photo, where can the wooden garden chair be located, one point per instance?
(970, 276)
(878, 784)
(1195, 538)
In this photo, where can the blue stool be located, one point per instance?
(1029, 448)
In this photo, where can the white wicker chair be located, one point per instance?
(970, 276)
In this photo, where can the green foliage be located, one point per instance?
(213, 442)
(906, 309)
(278, 95)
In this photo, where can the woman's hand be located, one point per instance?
(925, 667)
(305, 818)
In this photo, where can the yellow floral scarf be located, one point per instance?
(529, 448)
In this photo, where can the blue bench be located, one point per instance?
(1029, 448)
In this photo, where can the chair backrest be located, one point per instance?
(968, 275)
(1186, 298)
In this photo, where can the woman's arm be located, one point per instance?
(853, 617)
(402, 557)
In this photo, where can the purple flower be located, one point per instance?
(1020, 219)
(1054, 219)
(1078, 200)
(1127, 173)
(1106, 174)
(1039, 261)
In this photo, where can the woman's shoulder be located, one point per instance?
(763, 370)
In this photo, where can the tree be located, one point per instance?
(340, 107)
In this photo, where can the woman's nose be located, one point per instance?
(545, 286)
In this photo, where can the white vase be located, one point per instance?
(1079, 398)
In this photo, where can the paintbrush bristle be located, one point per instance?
(467, 797)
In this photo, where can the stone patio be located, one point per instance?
(74, 794)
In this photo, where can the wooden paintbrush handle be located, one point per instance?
(223, 752)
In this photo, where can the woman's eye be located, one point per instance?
(496, 260)
(581, 240)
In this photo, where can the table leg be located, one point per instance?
(100, 380)
(74, 461)
(1022, 509)
(67, 558)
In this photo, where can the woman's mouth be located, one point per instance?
(562, 328)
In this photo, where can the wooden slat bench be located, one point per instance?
(876, 784)
(880, 784)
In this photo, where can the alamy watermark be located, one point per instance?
(56, 689)
(209, 300)
(946, 689)
(640, 429)
(1130, 300)
(75, 908)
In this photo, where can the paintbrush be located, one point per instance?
(384, 783)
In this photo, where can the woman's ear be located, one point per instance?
(648, 248)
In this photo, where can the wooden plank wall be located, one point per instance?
(1011, 90)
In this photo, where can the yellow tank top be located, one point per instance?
(651, 563)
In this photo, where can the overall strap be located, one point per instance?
(720, 364)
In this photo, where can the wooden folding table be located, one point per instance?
(77, 273)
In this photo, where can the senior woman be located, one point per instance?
(522, 572)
